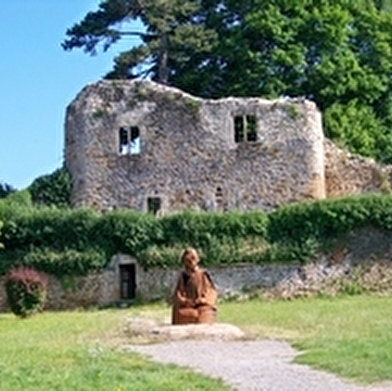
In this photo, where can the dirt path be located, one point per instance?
(262, 365)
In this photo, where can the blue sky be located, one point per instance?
(38, 80)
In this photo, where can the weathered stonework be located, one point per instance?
(326, 275)
(360, 261)
(189, 156)
(193, 152)
(348, 174)
(187, 152)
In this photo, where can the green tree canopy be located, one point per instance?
(337, 53)
(173, 33)
(52, 190)
(6, 189)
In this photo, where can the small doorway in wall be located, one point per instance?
(154, 205)
(127, 281)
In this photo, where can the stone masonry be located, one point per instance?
(141, 145)
(137, 144)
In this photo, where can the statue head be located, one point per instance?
(190, 258)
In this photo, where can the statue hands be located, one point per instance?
(200, 301)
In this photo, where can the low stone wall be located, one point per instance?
(327, 275)
(73, 292)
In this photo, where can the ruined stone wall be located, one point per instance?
(323, 276)
(189, 158)
(361, 261)
(188, 155)
(348, 174)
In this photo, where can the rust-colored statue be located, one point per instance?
(194, 296)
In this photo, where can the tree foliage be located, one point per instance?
(337, 53)
(1, 244)
(6, 189)
(52, 190)
(173, 33)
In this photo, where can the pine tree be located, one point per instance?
(172, 34)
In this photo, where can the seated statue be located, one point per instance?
(194, 296)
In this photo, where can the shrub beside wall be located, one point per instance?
(1, 244)
(302, 230)
(26, 291)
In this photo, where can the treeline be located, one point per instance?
(74, 242)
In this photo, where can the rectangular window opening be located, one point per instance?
(239, 129)
(129, 140)
(134, 140)
(251, 128)
(245, 128)
(123, 141)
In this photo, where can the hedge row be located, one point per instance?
(75, 241)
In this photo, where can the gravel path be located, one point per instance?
(263, 365)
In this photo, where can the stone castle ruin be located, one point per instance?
(137, 144)
(141, 145)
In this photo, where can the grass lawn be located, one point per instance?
(77, 351)
(350, 336)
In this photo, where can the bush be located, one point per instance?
(53, 189)
(1, 244)
(126, 231)
(65, 262)
(21, 198)
(76, 241)
(26, 291)
(6, 189)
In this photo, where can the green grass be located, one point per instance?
(78, 351)
(349, 336)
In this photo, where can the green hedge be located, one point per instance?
(64, 241)
(1, 225)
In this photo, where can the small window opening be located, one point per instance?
(153, 205)
(245, 128)
(123, 139)
(135, 140)
(219, 198)
(129, 140)
(239, 131)
(127, 282)
(251, 128)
